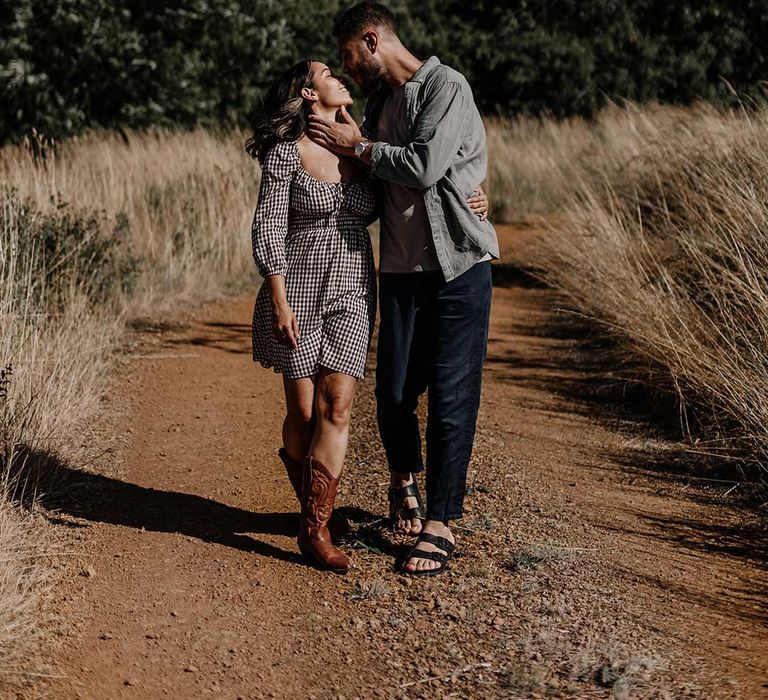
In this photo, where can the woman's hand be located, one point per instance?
(478, 203)
(284, 325)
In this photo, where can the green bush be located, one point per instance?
(63, 249)
(66, 65)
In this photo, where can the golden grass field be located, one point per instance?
(660, 236)
(658, 231)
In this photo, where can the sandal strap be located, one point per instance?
(408, 490)
(411, 513)
(402, 492)
(434, 556)
(441, 542)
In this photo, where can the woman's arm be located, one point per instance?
(268, 233)
(270, 221)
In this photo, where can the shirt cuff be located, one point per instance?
(377, 151)
(277, 270)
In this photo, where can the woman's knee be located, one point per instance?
(335, 405)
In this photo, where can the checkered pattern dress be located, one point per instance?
(315, 234)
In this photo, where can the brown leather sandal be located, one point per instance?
(397, 511)
(440, 557)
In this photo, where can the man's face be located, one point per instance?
(360, 64)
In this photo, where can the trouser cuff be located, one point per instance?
(413, 469)
(453, 515)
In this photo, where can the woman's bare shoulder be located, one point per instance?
(327, 166)
(311, 152)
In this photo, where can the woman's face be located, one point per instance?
(327, 89)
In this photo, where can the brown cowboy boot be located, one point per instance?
(338, 525)
(319, 493)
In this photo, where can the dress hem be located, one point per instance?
(269, 365)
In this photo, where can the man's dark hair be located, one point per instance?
(351, 23)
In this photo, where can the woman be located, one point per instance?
(314, 314)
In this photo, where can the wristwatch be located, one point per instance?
(360, 148)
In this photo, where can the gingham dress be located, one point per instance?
(315, 234)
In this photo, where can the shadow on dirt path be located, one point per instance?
(580, 570)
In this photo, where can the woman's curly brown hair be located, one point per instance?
(283, 116)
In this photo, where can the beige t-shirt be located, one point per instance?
(405, 234)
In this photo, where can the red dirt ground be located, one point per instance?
(585, 569)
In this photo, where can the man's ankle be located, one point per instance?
(438, 524)
(400, 478)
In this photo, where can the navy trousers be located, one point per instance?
(433, 336)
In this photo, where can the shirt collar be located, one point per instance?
(420, 75)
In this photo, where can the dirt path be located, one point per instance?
(585, 570)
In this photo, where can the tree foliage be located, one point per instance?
(66, 65)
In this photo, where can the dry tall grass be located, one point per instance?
(537, 165)
(662, 237)
(187, 199)
(104, 229)
(665, 217)
(24, 586)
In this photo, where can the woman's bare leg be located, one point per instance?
(299, 423)
(334, 394)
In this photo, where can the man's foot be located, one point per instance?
(416, 564)
(407, 525)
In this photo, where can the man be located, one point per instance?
(425, 140)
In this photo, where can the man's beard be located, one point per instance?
(369, 73)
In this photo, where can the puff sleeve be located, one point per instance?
(270, 221)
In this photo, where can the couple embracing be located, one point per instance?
(416, 165)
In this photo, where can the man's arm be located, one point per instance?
(344, 136)
(437, 137)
